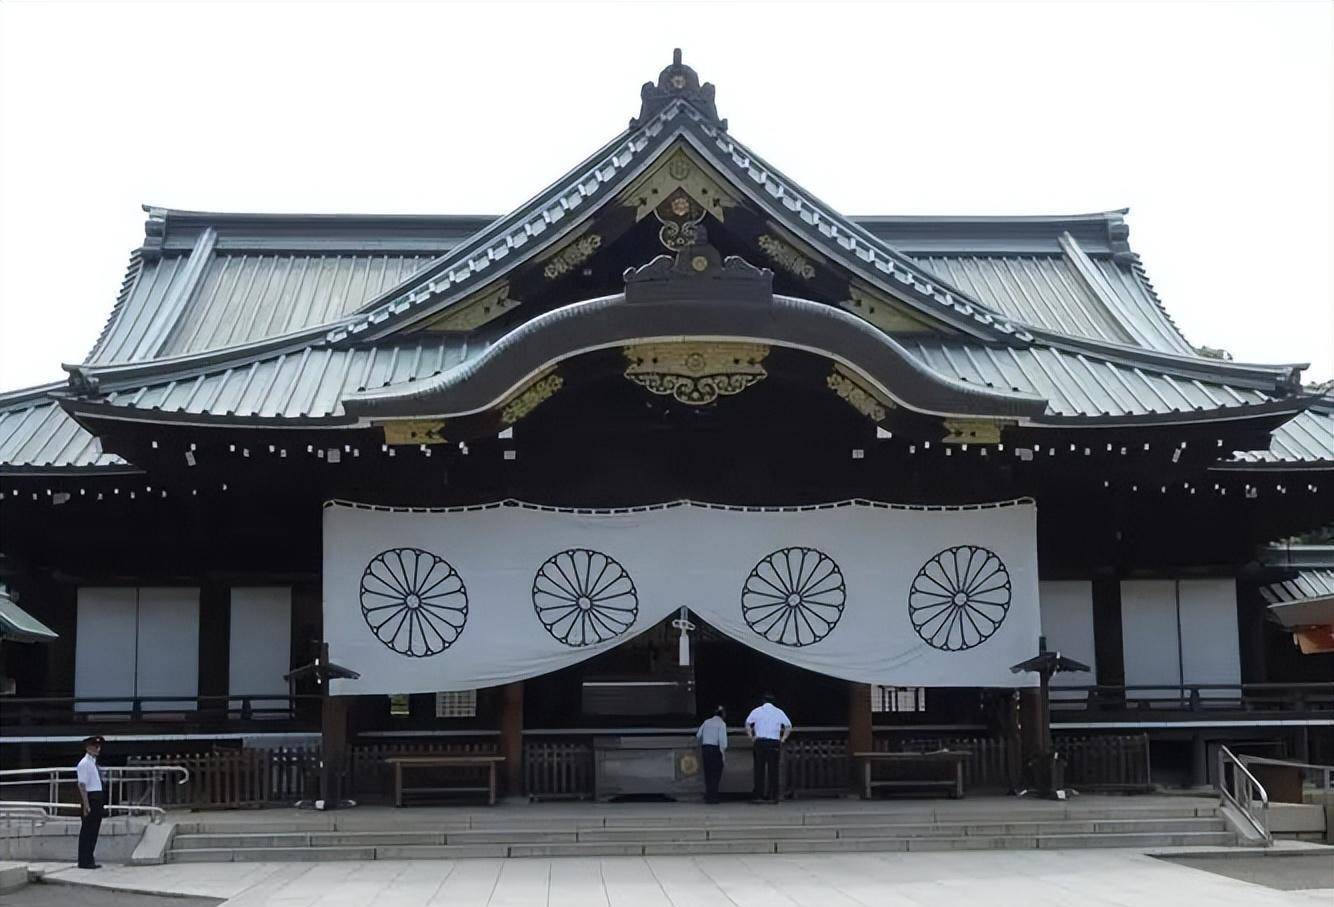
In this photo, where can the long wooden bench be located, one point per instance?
(941, 757)
(488, 762)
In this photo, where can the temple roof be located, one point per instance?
(285, 316)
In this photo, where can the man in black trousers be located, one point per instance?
(94, 801)
(712, 737)
(769, 727)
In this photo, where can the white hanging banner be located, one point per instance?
(430, 600)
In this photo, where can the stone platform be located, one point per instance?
(519, 829)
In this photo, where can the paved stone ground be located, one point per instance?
(1089, 878)
(42, 895)
(1295, 872)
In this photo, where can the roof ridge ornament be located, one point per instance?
(677, 81)
(696, 272)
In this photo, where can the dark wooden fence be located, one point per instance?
(239, 778)
(1106, 761)
(991, 763)
(816, 766)
(558, 770)
(563, 769)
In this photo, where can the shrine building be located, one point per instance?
(672, 434)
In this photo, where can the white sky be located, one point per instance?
(1211, 121)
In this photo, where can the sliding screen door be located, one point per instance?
(105, 642)
(140, 642)
(168, 647)
(261, 644)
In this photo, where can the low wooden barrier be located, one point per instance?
(1105, 761)
(816, 766)
(558, 770)
(231, 779)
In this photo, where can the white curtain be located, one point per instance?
(426, 600)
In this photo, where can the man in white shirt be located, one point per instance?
(94, 801)
(769, 727)
(712, 737)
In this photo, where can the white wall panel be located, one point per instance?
(168, 646)
(1149, 635)
(261, 642)
(1067, 622)
(104, 645)
(1210, 647)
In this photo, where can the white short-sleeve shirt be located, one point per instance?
(769, 721)
(88, 774)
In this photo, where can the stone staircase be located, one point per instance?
(592, 832)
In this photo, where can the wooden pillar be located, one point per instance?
(860, 734)
(333, 746)
(511, 736)
(1031, 739)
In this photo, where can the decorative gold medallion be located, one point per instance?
(696, 373)
(527, 400)
(572, 256)
(785, 256)
(413, 431)
(973, 431)
(860, 398)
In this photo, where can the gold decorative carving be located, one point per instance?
(696, 373)
(413, 431)
(572, 256)
(527, 400)
(865, 401)
(475, 311)
(881, 312)
(679, 171)
(785, 256)
(973, 431)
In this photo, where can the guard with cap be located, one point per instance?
(94, 801)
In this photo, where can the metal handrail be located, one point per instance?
(1325, 770)
(118, 780)
(1242, 793)
(20, 809)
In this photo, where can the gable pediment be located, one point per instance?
(677, 189)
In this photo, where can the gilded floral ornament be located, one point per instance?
(858, 397)
(572, 256)
(786, 257)
(696, 373)
(528, 399)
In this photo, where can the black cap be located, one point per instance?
(94, 740)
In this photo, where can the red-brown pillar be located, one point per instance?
(859, 727)
(511, 736)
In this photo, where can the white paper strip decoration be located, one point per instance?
(422, 600)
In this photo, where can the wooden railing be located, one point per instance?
(558, 770)
(229, 779)
(1105, 761)
(815, 766)
(39, 714)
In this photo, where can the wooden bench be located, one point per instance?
(488, 762)
(940, 757)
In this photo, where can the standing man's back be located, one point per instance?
(769, 727)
